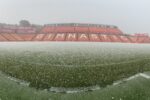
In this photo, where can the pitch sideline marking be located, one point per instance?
(144, 75)
(133, 77)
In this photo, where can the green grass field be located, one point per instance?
(136, 89)
(74, 65)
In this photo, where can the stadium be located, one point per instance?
(74, 50)
(73, 61)
(69, 32)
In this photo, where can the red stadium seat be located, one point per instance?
(48, 29)
(81, 29)
(17, 37)
(2, 38)
(105, 38)
(39, 37)
(83, 37)
(49, 37)
(114, 38)
(125, 39)
(8, 36)
(71, 37)
(27, 37)
(7, 30)
(142, 39)
(94, 37)
(146, 40)
(65, 29)
(60, 37)
(97, 30)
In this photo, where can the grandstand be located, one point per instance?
(69, 32)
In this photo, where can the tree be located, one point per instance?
(24, 23)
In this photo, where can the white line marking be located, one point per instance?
(132, 77)
(145, 76)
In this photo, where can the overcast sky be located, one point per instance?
(129, 15)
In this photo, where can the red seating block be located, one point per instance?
(81, 29)
(71, 37)
(8, 36)
(65, 29)
(49, 37)
(2, 38)
(83, 37)
(94, 37)
(39, 37)
(124, 39)
(105, 38)
(60, 37)
(114, 38)
(17, 37)
(48, 29)
(27, 37)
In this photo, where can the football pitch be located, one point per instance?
(29, 70)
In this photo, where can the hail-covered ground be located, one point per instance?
(70, 52)
(80, 66)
